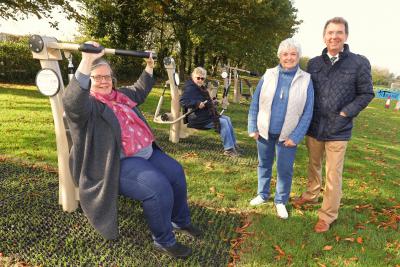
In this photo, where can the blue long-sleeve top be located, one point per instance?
(279, 107)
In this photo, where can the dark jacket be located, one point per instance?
(345, 86)
(95, 153)
(190, 99)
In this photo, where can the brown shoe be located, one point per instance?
(321, 226)
(300, 201)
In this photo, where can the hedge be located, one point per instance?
(17, 64)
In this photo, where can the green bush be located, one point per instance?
(16, 62)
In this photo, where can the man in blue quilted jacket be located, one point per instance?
(342, 88)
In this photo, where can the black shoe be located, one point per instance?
(239, 149)
(190, 230)
(231, 153)
(177, 250)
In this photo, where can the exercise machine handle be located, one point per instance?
(89, 48)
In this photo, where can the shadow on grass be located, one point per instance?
(207, 145)
(34, 229)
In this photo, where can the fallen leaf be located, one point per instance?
(351, 239)
(359, 240)
(213, 190)
(300, 212)
(279, 250)
(361, 207)
(209, 166)
(337, 238)
(327, 247)
(360, 226)
(190, 155)
(321, 264)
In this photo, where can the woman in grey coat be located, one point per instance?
(114, 153)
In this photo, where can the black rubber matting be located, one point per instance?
(35, 230)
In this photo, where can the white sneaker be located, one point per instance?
(281, 210)
(258, 200)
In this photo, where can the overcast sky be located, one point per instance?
(373, 25)
(373, 28)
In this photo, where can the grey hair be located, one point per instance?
(100, 62)
(287, 44)
(200, 71)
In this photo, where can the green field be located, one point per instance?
(220, 188)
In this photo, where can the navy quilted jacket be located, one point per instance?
(345, 86)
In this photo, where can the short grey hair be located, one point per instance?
(100, 62)
(199, 71)
(287, 44)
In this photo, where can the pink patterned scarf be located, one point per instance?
(135, 134)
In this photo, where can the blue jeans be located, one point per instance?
(284, 162)
(160, 184)
(227, 133)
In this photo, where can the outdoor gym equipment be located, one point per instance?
(389, 94)
(50, 83)
(247, 82)
(226, 74)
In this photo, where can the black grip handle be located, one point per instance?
(89, 48)
(226, 91)
(142, 54)
(254, 73)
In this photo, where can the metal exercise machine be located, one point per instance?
(50, 83)
(226, 74)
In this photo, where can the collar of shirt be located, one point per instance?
(337, 57)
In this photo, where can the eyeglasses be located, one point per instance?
(200, 78)
(99, 78)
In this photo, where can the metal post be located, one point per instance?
(174, 132)
(236, 93)
(68, 193)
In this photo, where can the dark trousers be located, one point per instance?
(160, 184)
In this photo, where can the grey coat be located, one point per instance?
(95, 153)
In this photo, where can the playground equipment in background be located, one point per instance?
(249, 85)
(387, 103)
(391, 94)
(397, 107)
(226, 74)
(50, 83)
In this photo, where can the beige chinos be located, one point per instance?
(333, 152)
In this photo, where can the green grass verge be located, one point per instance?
(366, 233)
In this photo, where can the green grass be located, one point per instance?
(364, 234)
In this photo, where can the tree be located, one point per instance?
(244, 32)
(304, 62)
(20, 9)
(381, 76)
